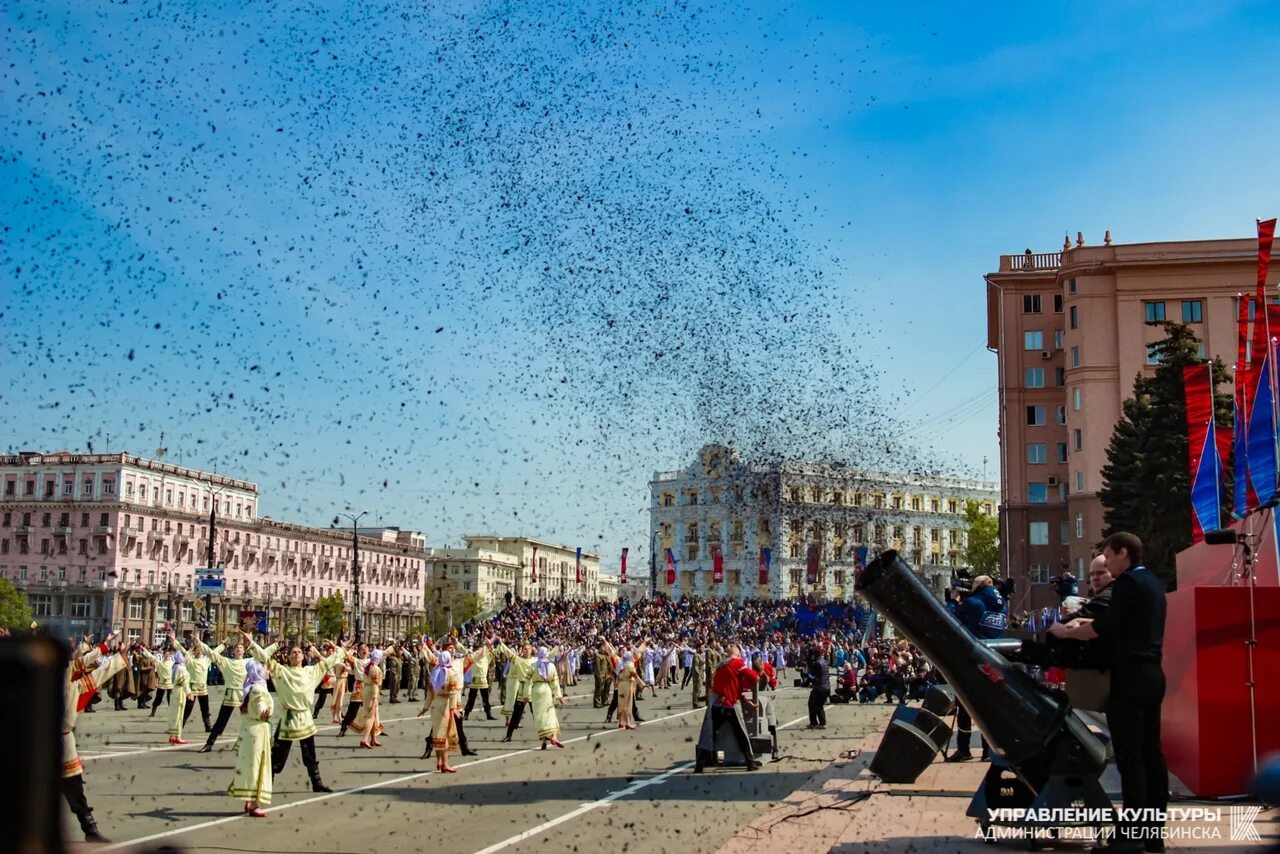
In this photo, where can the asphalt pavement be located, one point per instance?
(628, 790)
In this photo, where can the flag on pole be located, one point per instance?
(859, 559)
(533, 567)
(811, 565)
(717, 565)
(765, 555)
(1202, 451)
(624, 566)
(1242, 499)
(671, 567)
(1262, 417)
(577, 566)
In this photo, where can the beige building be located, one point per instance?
(114, 540)
(1071, 333)
(720, 501)
(556, 575)
(452, 573)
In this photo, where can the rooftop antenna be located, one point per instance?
(162, 450)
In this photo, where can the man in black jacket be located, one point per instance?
(819, 688)
(1132, 630)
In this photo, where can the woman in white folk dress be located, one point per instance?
(252, 781)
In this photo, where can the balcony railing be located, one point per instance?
(62, 530)
(24, 530)
(102, 530)
(1030, 262)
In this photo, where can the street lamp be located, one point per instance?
(355, 568)
(209, 556)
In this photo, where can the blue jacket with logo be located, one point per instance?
(983, 613)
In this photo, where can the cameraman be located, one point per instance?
(982, 612)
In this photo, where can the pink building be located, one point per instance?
(109, 540)
(1071, 331)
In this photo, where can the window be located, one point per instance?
(1033, 340)
(88, 487)
(1200, 350)
(1035, 416)
(1035, 454)
(1074, 316)
(1062, 415)
(1060, 376)
(1079, 526)
(1193, 311)
(1079, 481)
(668, 499)
(1071, 286)
(68, 487)
(1077, 399)
(1031, 303)
(1038, 533)
(1039, 572)
(1034, 377)
(1037, 493)
(1075, 357)
(1064, 532)
(1153, 354)
(80, 606)
(135, 609)
(1062, 452)
(1057, 303)
(1079, 439)
(108, 487)
(1153, 312)
(1058, 335)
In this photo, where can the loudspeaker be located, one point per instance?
(940, 700)
(910, 744)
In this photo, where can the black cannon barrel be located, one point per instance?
(1019, 718)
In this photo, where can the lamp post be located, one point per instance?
(653, 565)
(209, 555)
(355, 569)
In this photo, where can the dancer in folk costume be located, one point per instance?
(328, 684)
(519, 684)
(295, 684)
(648, 661)
(233, 669)
(628, 686)
(252, 780)
(198, 687)
(368, 721)
(355, 694)
(84, 677)
(444, 701)
(462, 664)
(481, 658)
(178, 709)
(163, 664)
(340, 675)
(545, 694)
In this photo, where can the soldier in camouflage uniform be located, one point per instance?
(414, 663)
(393, 671)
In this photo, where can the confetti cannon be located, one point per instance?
(1043, 756)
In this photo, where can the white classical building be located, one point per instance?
(103, 540)
(722, 502)
(556, 574)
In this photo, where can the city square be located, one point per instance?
(669, 426)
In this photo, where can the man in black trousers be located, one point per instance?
(819, 688)
(1132, 630)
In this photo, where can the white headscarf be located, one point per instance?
(626, 659)
(178, 661)
(440, 673)
(375, 659)
(254, 674)
(545, 664)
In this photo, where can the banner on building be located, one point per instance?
(765, 555)
(717, 565)
(1262, 418)
(1202, 451)
(811, 565)
(533, 567)
(671, 567)
(859, 559)
(577, 566)
(624, 566)
(253, 621)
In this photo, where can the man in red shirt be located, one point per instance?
(731, 681)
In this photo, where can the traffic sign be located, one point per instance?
(207, 584)
(210, 570)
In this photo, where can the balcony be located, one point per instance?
(1030, 262)
(154, 538)
(182, 539)
(103, 530)
(62, 530)
(24, 530)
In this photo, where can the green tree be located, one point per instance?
(1146, 483)
(330, 615)
(982, 553)
(15, 610)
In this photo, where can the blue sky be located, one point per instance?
(485, 267)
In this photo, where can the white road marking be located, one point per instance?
(605, 801)
(408, 777)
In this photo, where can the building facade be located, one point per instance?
(556, 574)
(101, 541)
(721, 502)
(1072, 330)
(452, 573)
